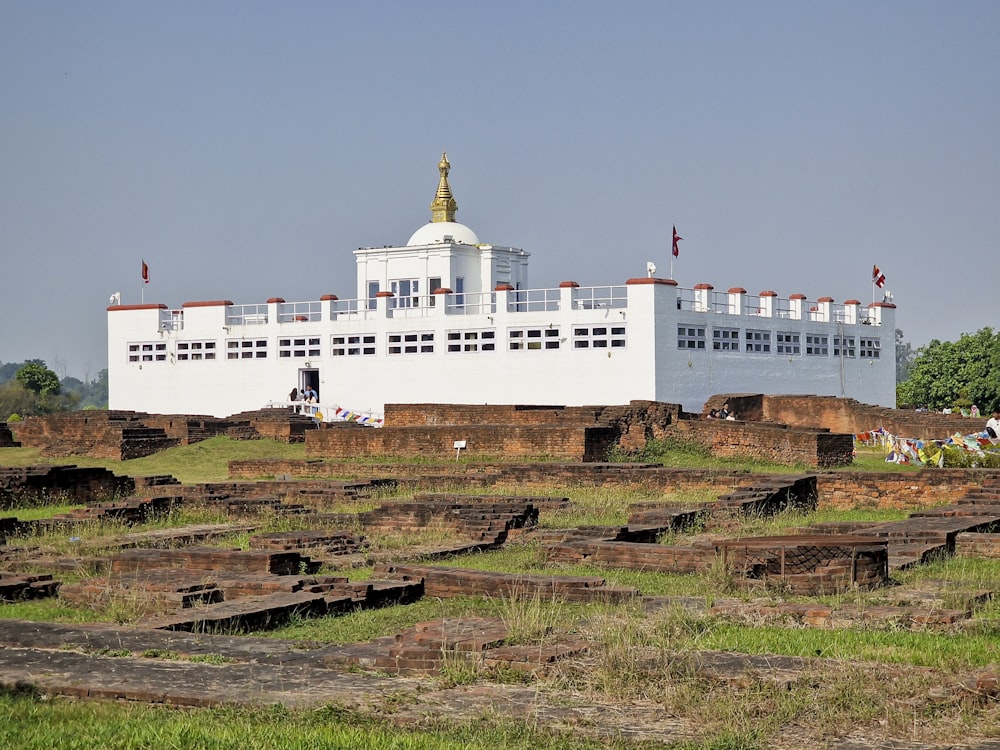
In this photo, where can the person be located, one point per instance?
(724, 411)
(713, 414)
(993, 425)
(975, 412)
(293, 395)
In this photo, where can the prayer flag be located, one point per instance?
(145, 273)
(878, 278)
(677, 238)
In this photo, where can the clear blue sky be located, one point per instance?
(244, 149)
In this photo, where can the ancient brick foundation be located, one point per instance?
(844, 415)
(7, 437)
(769, 442)
(568, 443)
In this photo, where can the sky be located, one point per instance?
(245, 149)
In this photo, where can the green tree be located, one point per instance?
(38, 378)
(16, 399)
(904, 357)
(955, 373)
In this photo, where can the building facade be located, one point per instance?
(446, 318)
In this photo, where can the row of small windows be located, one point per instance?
(755, 341)
(364, 344)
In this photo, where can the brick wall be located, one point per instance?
(845, 415)
(569, 442)
(882, 490)
(768, 442)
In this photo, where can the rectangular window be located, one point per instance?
(246, 348)
(528, 339)
(147, 351)
(372, 293)
(817, 346)
(432, 284)
(353, 345)
(416, 342)
(194, 351)
(870, 348)
(758, 342)
(726, 339)
(787, 343)
(472, 341)
(690, 337)
(598, 337)
(843, 346)
(406, 292)
(299, 348)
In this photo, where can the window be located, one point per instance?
(246, 349)
(353, 345)
(726, 339)
(406, 292)
(690, 337)
(787, 343)
(372, 293)
(193, 351)
(843, 346)
(147, 351)
(433, 283)
(298, 347)
(758, 342)
(599, 337)
(472, 341)
(817, 346)
(527, 339)
(416, 342)
(870, 348)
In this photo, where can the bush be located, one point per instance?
(14, 418)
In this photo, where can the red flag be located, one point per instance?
(145, 273)
(878, 278)
(677, 238)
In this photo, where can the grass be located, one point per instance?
(29, 723)
(205, 461)
(872, 678)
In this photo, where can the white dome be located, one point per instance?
(434, 233)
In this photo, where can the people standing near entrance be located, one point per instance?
(311, 397)
(993, 426)
(293, 395)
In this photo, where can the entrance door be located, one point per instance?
(309, 378)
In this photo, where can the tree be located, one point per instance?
(16, 399)
(948, 374)
(38, 379)
(904, 357)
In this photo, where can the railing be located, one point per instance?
(598, 297)
(246, 315)
(534, 300)
(171, 320)
(352, 308)
(470, 304)
(300, 312)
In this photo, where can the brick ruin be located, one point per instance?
(123, 435)
(189, 590)
(843, 415)
(584, 433)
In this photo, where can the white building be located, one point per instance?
(446, 318)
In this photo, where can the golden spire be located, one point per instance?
(443, 207)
